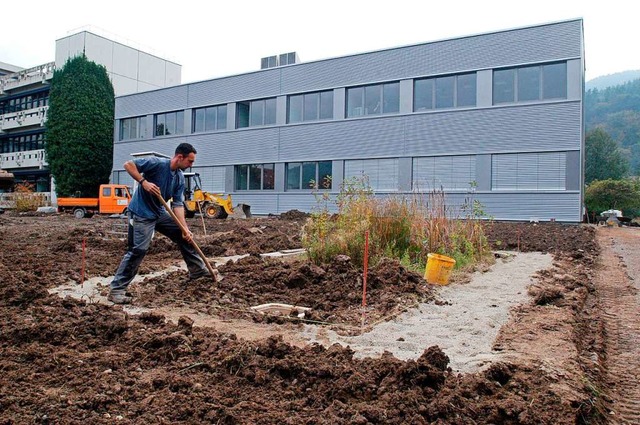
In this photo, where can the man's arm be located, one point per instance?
(132, 169)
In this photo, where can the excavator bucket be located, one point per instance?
(241, 211)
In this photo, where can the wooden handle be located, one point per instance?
(214, 273)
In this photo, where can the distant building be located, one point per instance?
(495, 117)
(24, 97)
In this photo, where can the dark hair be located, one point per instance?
(185, 149)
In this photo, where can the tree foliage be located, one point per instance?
(608, 194)
(617, 111)
(604, 159)
(79, 134)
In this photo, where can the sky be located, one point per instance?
(213, 39)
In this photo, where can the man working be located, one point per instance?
(156, 176)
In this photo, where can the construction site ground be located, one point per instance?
(548, 333)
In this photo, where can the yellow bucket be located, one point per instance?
(438, 269)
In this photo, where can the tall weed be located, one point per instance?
(403, 227)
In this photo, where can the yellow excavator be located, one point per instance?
(211, 205)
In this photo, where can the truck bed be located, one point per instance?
(78, 202)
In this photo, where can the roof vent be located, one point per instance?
(279, 60)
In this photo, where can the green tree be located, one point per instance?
(608, 194)
(617, 110)
(79, 135)
(604, 158)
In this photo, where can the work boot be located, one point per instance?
(119, 296)
(200, 273)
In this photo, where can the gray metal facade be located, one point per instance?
(545, 137)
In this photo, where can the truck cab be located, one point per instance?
(112, 199)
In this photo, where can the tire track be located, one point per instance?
(620, 308)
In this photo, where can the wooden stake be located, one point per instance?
(202, 216)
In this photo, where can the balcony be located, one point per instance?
(23, 119)
(26, 159)
(27, 77)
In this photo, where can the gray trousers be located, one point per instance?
(139, 238)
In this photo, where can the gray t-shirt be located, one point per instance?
(171, 184)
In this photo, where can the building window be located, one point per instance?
(530, 83)
(381, 174)
(22, 143)
(444, 172)
(22, 102)
(255, 177)
(256, 113)
(529, 171)
(373, 100)
(170, 123)
(554, 81)
(452, 91)
(211, 118)
(310, 107)
(133, 128)
(309, 175)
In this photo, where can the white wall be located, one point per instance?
(130, 70)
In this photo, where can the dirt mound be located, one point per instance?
(294, 215)
(541, 237)
(142, 370)
(332, 291)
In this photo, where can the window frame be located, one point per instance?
(176, 116)
(140, 131)
(289, 168)
(453, 98)
(268, 112)
(357, 95)
(322, 99)
(220, 122)
(542, 81)
(266, 182)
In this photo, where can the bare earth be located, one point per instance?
(546, 335)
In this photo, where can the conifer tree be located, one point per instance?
(79, 134)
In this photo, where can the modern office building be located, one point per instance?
(24, 97)
(497, 117)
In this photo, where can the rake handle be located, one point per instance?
(214, 273)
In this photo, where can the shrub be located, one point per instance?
(602, 195)
(402, 227)
(26, 199)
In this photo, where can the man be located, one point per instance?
(156, 176)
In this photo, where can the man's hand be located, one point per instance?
(187, 236)
(151, 188)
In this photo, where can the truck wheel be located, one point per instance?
(214, 211)
(79, 213)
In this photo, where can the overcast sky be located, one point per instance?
(215, 38)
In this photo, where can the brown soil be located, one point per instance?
(67, 361)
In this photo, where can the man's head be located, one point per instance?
(185, 156)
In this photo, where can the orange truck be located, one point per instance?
(113, 199)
